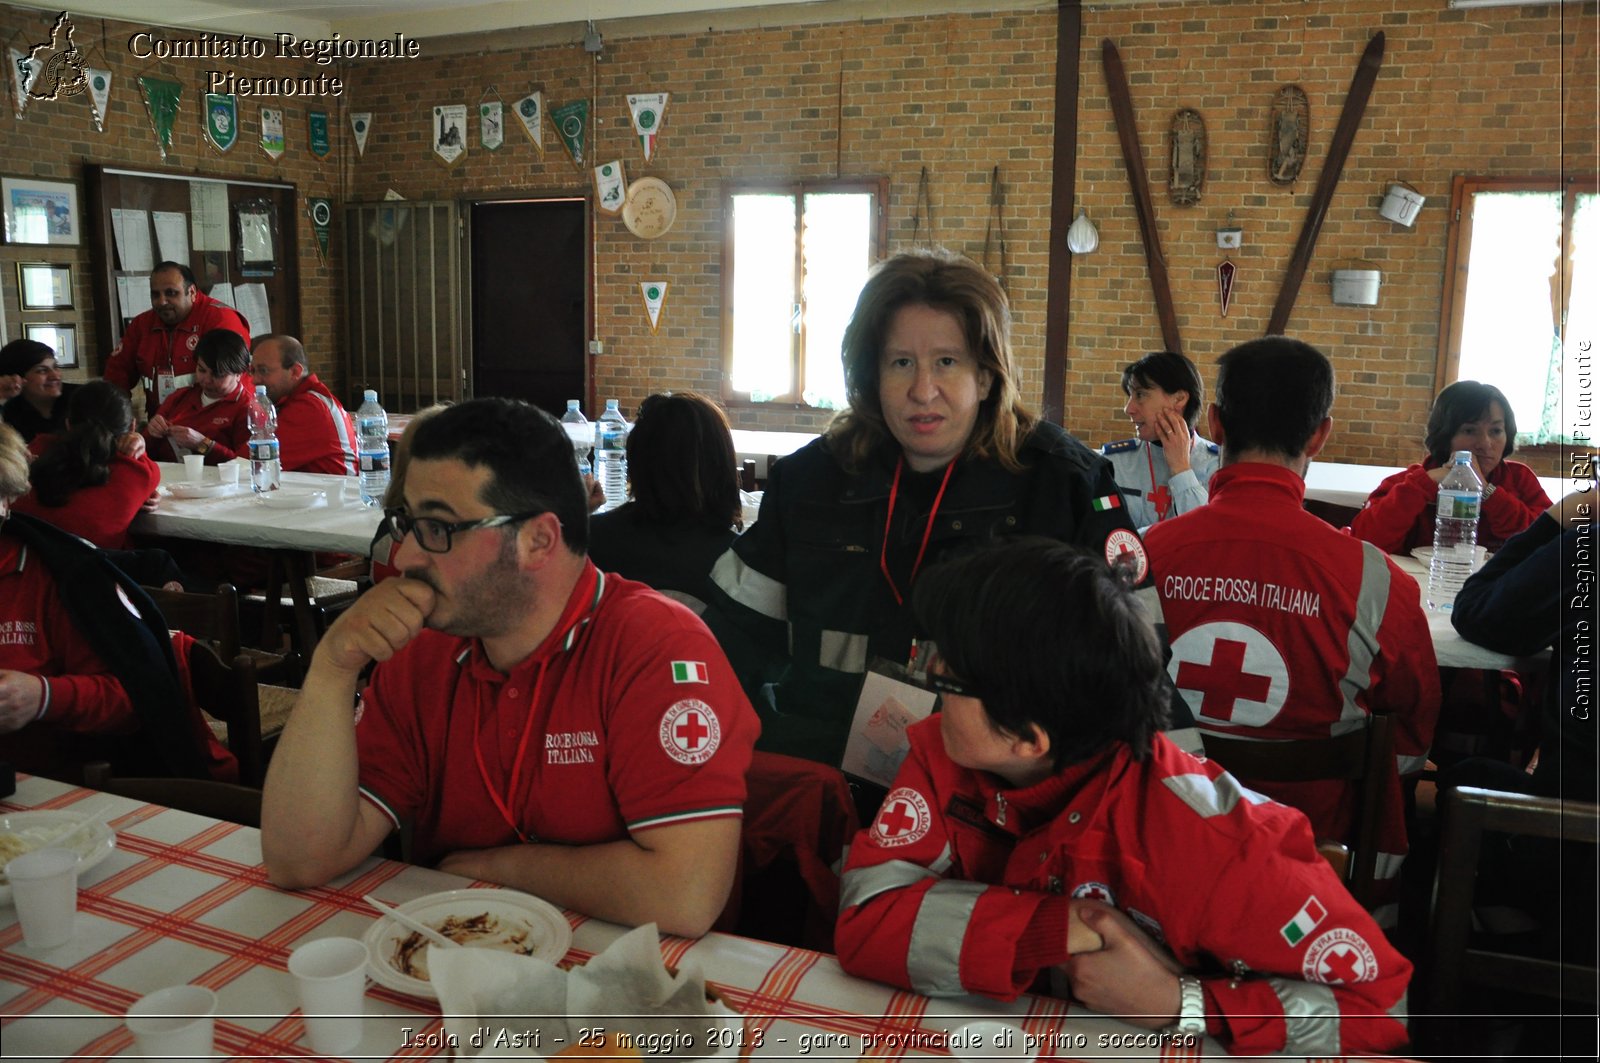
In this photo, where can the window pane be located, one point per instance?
(836, 244)
(1577, 367)
(763, 294)
(1509, 334)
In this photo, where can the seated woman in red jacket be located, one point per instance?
(82, 482)
(1467, 415)
(212, 415)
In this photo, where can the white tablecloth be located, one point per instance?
(341, 524)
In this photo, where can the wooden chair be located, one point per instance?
(228, 693)
(204, 797)
(1448, 961)
(1365, 756)
(214, 619)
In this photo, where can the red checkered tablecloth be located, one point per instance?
(184, 898)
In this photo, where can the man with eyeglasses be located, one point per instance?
(1043, 834)
(541, 724)
(157, 350)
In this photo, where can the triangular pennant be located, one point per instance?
(25, 70)
(161, 100)
(609, 185)
(361, 125)
(317, 127)
(572, 125)
(648, 108)
(99, 95)
(450, 132)
(222, 120)
(492, 124)
(1226, 272)
(272, 141)
(654, 294)
(320, 208)
(530, 113)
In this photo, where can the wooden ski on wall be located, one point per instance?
(1133, 159)
(1344, 135)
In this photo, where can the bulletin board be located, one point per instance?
(239, 237)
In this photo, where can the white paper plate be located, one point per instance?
(186, 489)
(281, 499)
(92, 846)
(538, 926)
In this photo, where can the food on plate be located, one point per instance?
(484, 930)
(608, 1047)
(11, 847)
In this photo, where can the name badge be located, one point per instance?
(166, 384)
(887, 705)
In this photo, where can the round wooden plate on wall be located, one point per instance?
(650, 208)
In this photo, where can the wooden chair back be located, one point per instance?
(1448, 961)
(227, 692)
(214, 619)
(1365, 756)
(204, 797)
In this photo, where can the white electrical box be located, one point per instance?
(1356, 287)
(596, 347)
(1230, 238)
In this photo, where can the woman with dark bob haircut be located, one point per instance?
(935, 453)
(87, 480)
(1165, 469)
(1467, 415)
(685, 504)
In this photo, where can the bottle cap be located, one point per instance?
(369, 395)
(261, 389)
(1463, 457)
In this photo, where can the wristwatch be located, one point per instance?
(1191, 1009)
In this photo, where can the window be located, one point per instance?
(1520, 250)
(794, 259)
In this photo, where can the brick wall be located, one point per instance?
(1507, 91)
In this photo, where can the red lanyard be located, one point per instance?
(582, 602)
(927, 532)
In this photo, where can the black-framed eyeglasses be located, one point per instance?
(434, 535)
(944, 684)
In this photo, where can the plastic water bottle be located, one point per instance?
(575, 416)
(611, 455)
(372, 428)
(264, 464)
(1455, 532)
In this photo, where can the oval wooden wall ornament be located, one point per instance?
(1187, 141)
(1289, 134)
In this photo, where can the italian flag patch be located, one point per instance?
(1304, 922)
(690, 672)
(1107, 502)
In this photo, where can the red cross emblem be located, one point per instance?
(1230, 673)
(1094, 891)
(690, 732)
(1339, 957)
(903, 820)
(1161, 498)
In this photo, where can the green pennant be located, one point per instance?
(222, 120)
(320, 144)
(321, 210)
(161, 104)
(572, 125)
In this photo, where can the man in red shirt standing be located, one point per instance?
(211, 416)
(315, 433)
(539, 723)
(158, 348)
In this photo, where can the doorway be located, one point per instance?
(529, 300)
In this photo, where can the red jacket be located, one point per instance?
(101, 513)
(1398, 516)
(315, 433)
(149, 347)
(951, 888)
(226, 421)
(1284, 627)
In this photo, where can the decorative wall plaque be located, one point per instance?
(1290, 132)
(1187, 142)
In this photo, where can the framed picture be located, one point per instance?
(255, 225)
(44, 285)
(63, 339)
(41, 212)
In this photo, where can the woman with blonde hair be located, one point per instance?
(937, 452)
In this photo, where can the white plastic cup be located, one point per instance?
(175, 1023)
(44, 888)
(228, 471)
(331, 977)
(194, 467)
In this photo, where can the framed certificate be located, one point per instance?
(44, 285)
(63, 339)
(256, 232)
